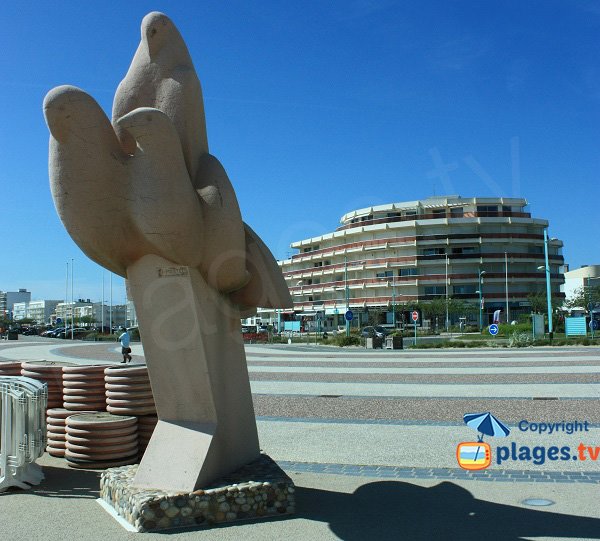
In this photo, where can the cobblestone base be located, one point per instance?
(259, 489)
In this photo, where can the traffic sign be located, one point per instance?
(58, 320)
(415, 316)
(493, 329)
(349, 315)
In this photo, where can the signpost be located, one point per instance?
(493, 329)
(415, 318)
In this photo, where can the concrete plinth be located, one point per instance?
(258, 490)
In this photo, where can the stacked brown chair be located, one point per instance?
(83, 388)
(128, 390)
(101, 440)
(55, 419)
(10, 368)
(146, 425)
(49, 372)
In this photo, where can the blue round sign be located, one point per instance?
(493, 328)
(349, 315)
(58, 320)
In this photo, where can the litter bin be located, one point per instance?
(374, 343)
(394, 342)
(12, 335)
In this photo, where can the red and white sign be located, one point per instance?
(415, 316)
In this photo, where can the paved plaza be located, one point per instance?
(369, 438)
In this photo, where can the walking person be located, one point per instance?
(125, 340)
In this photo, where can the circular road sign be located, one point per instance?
(349, 315)
(58, 320)
(415, 316)
(493, 328)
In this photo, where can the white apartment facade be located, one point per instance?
(581, 279)
(417, 251)
(39, 311)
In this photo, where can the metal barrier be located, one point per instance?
(23, 403)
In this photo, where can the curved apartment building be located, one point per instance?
(412, 251)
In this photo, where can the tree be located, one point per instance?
(583, 296)
(434, 309)
(87, 320)
(538, 302)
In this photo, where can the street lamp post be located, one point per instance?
(394, 301)
(347, 294)
(73, 302)
(548, 292)
(481, 273)
(590, 306)
(546, 267)
(447, 321)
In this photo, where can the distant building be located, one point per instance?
(9, 298)
(417, 251)
(40, 312)
(580, 279)
(85, 313)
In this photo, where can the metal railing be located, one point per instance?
(23, 403)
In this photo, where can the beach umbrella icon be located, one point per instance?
(487, 424)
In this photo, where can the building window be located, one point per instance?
(318, 264)
(506, 208)
(466, 289)
(411, 271)
(536, 250)
(487, 208)
(457, 211)
(439, 212)
(464, 250)
(434, 251)
(386, 274)
(435, 290)
(410, 212)
(327, 262)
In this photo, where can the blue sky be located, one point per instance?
(318, 108)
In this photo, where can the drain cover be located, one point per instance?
(537, 502)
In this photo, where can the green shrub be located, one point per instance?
(520, 340)
(343, 340)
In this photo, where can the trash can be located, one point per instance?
(12, 335)
(394, 342)
(374, 343)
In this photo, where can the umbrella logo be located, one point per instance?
(478, 455)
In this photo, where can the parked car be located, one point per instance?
(77, 332)
(376, 331)
(53, 332)
(31, 331)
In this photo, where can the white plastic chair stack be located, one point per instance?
(23, 403)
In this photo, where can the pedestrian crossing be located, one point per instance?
(343, 373)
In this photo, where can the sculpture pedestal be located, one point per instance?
(259, 489)
(197, 367)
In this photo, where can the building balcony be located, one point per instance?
(436, 216)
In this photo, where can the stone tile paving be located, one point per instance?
(490, 475)
(445, 379)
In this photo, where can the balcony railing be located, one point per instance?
(431, 216)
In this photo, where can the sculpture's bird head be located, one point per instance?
(158, 31)
(69, 111)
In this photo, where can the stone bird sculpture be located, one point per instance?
(142, 196)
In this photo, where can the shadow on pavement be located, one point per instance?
(396, 510)
(64, 483)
